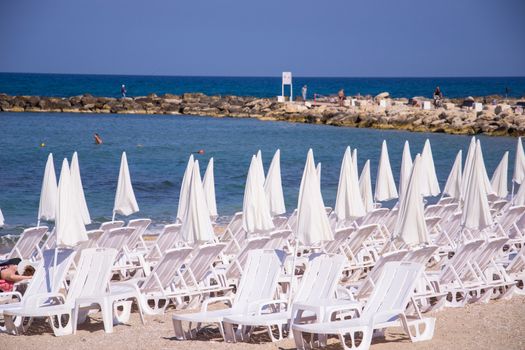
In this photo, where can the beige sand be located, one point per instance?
(497, 325)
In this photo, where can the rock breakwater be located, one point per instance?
(488, 115)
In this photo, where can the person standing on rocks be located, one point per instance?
(304, 91)
(438, 97)
(123, 90)
(341, 96)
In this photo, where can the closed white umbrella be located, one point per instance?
(273, 186)
(49, 192)
(78, 190)
(209, 189)
(125, 201)
(411, 226)
(476, 211)
(69, 225)
(385, 185)
(312, 221)
(256, 217)
(354, 163)
(196, 226)
(183, 194)
(468, 166)
(318, 170)
(519, 165)
(406, 169)
(499, 178)
(519, 198)
(485, 176)
(348, 202)
(260, 166)
(453, 185)
(1, 218)
(429, 181)
(365, 188)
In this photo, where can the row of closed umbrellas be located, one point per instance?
(263, 196)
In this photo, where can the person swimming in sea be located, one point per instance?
(98, 139)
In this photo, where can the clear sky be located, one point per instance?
(350, 38)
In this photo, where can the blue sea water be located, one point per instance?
(109, 85)
(158, 148)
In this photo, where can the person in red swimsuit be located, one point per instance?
(9, 276)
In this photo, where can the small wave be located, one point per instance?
(154, 186)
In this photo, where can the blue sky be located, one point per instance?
(263, 38)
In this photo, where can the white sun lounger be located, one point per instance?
(27, 246)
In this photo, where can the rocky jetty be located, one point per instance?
(488, 115)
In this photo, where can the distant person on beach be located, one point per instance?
(123, 90)
(341, 97)
(438, 96)
(98, 139)
(304, 91)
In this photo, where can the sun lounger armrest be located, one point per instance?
(4, 295)
(226, 299)
(37, 300)
(259, 305)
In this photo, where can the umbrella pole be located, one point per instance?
(113, 218)
(54, 267)
(512, 192)
(38, 223)
(296, 248)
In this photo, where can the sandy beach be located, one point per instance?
(497, 325)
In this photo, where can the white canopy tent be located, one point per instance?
(196, 227)
(256, 217)
(273, 186)
(499, 178)
(385, 186)
(49, 192)
(209, 190)
(411, 226)
(78, 190)
(348, 203)
(183, 194)
(125, 201)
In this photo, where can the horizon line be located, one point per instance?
(278, 76)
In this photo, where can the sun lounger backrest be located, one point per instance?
(376, 216)
(370, 281)
(433, 210)
(202, 259)
(517, 265)
(510, 217)
(447, 200)
(459, 261)
(260, 277)
(488, 251)
(233, 226)
(421, 255)
(49, 277)
(357, 238)
(28, 242)
(279, 222)
(392, 291)
(321, 277)
(449, 210)
(340, 237)
(237, 264)
(166, 240)
(277, 239)
(92, 274)
(115, 238)
(140, 226)
(165, 272)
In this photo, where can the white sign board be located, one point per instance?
(287, 78)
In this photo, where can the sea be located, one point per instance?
(158, 146)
